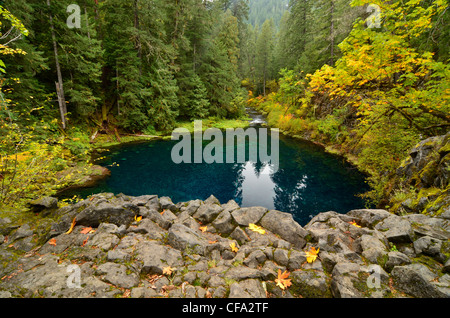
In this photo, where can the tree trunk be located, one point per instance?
(59, 84)
(332, 33)
(138, 38)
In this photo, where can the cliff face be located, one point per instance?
(422, 180)
(150, 247)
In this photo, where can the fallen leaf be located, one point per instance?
(311, 255)
(234, 247)
(282, 281)
(85, 241)
(87, 230)
(203, 228)
(138, 218)
(168, 270)
(52, 242)
(256, 228)
(354, 224)
(162, 213)
(127, 293)
(72, 225)
(212, 242)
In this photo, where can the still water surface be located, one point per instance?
(308, 181)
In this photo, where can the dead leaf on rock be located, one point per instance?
(87, 230)
(282, 281)
(72, 225)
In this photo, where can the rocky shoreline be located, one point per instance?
(147, 246)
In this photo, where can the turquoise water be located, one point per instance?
(308, 181)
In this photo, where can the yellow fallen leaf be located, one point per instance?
(72, 226)
(168, 270)
(311, 255)
(256, 228)
(203, 228)
(234, 247)
(282, 281)
(138, 218)
(354, 224)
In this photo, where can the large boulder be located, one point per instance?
(107, 212)
(419, 281)
(283, 224)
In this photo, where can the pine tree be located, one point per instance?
(265, 53)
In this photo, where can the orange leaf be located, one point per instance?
(84, 242)
(52, 242)
(86, 230)
(354, 224)
(72, 225)
(282, 281)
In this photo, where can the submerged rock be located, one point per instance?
(206, 249)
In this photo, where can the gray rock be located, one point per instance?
(22, 232)
(193, 206)
(212, 200)
(428, 245)
(206, 213)
(106, 212)
(167, 204)
(182, 238)
(7, 226)
(296, 260)
(246, 216)
(117, 275)
(396, 229)
(396, 258)
(284, 225)
(224, 223)
(148, 227)
(45, 203)
(373, 249)
(118, 255)
(103, 240)
(311, 284)
(369, 218)
(418, 281)
(255, 258)
(154, 257)
(239, 235)
(344, 275)
(446, 268)
(250, 288)
(143, 199)
(239, 273)
(281, 256)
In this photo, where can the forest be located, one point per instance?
(367, 79)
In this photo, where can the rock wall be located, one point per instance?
(147, 246)
(422, 182)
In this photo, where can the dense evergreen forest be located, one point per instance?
(369, 79)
